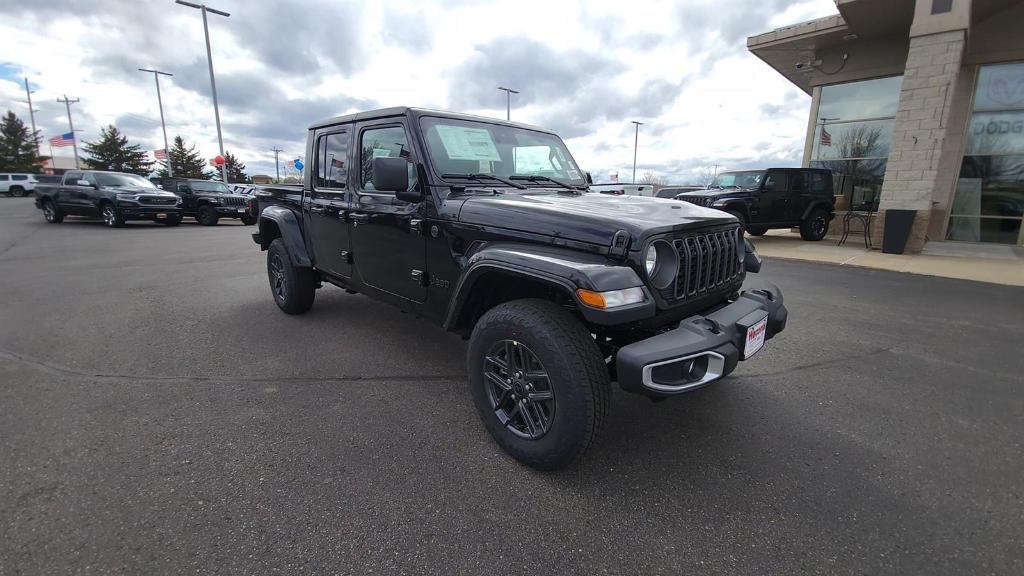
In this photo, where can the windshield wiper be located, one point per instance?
(538, 178)
(482, 176)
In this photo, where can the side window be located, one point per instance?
(90, 179)
(182, 187)
(72, 178)
(776, 181)
(3, 177)
(19, 177)
(387, 142)
(798, 181)
(332, 160)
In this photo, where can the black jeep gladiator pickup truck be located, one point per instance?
(113, 196)
(483, 227)
(208, 201)
(772, 198)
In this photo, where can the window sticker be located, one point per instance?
(575, 175)
(532, 159)
(381, 153)
(467, 143)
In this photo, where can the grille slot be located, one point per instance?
(233, 201)
(707, 261)
(157, 200)
(698, 200)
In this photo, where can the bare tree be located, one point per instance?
(704, 175)
(653, 179)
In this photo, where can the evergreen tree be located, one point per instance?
(236, 170)
(186, 162)
(18, 146)
(112, 152)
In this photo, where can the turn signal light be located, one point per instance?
(612, 298)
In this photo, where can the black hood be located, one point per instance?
(593, 218)
(139, 190)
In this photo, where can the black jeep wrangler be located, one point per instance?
(208, 201)
(483, 227)
(773, 198)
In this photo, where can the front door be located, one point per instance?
(388, 247)
(326, 206)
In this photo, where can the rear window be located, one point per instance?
(3, 178)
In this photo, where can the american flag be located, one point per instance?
(826, 138)
(160, 154)
(63, 140)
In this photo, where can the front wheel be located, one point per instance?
(538, 381)
(739, 216)
(111, 216)
(293, 288)
(248, 220)
(207, 216)
(815, 226)
(52, 214)
(757, 230)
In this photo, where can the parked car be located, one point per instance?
(623, 189)
(673, 191)
(773, 198)
(17, 184)
(484, 227)
(116, 197)
(208, 200)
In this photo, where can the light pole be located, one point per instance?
(508, 101)
(213, 84)
(32, 116)
(636, 141)
(160, 103)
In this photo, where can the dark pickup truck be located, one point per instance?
(116, 197)
(772, 198)
(483, 227)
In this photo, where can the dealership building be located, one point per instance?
(917, 105)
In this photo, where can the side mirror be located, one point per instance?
(392, 175)
(751, 259)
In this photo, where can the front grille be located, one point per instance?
(698, 200)
(233, 201)
(708, 261)
(158, 200)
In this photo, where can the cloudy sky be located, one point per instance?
(585, 69)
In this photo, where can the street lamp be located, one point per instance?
(636, 140)
(508, 101)
(213, 84)
(32, 115)
(160, 103)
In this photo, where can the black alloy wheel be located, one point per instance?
(519, 389)
(294, 288)
(815, 226)
(278, 278)
(50, 212)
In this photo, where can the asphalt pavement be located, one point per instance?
(159, 415)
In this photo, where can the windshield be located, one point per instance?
(748, 179)
(201, 186)
(118, 180)
(468, 147)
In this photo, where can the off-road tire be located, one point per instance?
(17, 191)
(576, 371)
(52, 214)
(815, 226)
(248, 220)
(170, 220)
(207, 215)
(299, 283)
(757, 230)
(739, 216)
(111, 216)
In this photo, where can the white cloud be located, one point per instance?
(587, 68)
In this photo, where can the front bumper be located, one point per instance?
(148, 212)
(231, 211)
(702, 349)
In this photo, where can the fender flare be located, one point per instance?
(815, 205)
(735, 205)
(288, 229)
(565, 270)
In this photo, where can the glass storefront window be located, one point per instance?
(859, 180)
(878, 98)
(988, 205)
(870, 139)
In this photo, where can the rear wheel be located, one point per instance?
(757, 230)
(207, 216)
(538, 381)
(52, 214)
(815, 226)
(293, 288)
(111, 216)
(17, 191)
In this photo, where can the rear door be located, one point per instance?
(774, 197)
(66, 196)
(799, 194)
(326, 205)
(388, 246)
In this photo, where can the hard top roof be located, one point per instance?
(417, 112)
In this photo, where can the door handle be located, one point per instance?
(359, 218)
(342, 215)
(317, 210)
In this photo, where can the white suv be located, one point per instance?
(17, 184)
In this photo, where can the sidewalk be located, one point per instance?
(997, 264)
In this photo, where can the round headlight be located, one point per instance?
(651, 260)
